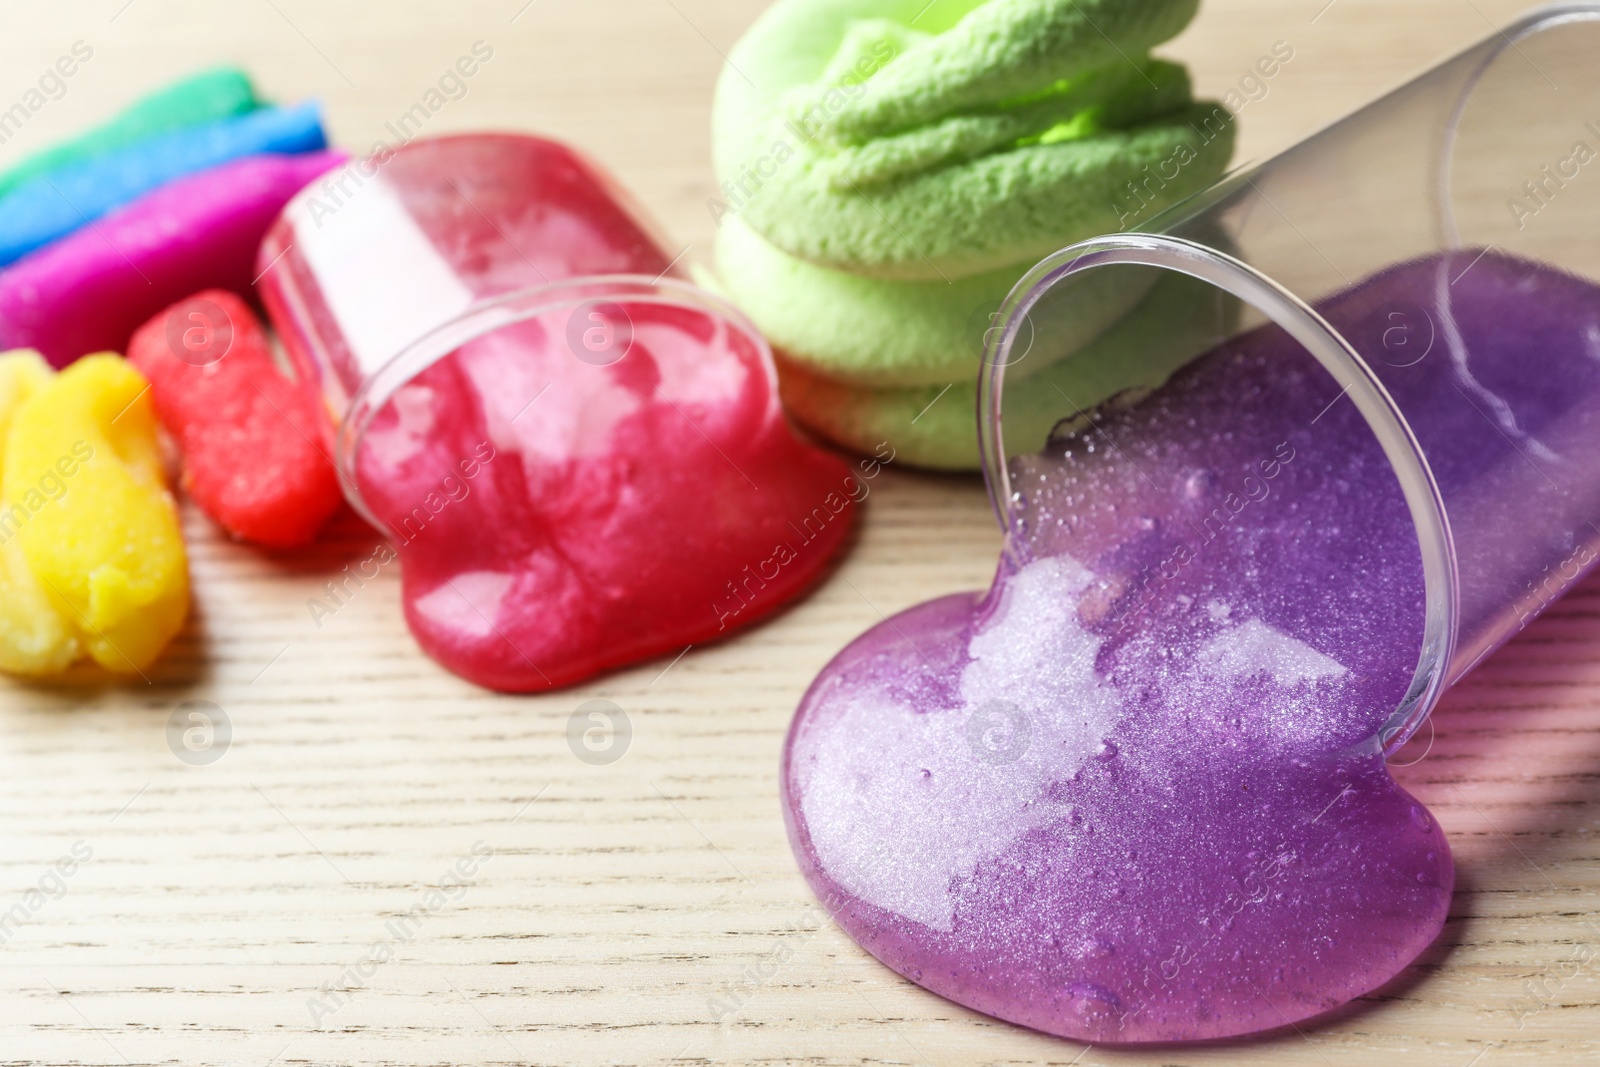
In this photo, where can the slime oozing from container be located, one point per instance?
(1137, 792)
(597, 483)
(557, 517)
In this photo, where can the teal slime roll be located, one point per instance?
(209, 96)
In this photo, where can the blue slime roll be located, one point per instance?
(60, 201)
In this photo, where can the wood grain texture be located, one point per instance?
(219, 903)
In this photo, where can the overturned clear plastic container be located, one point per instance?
(573, 450)
(1427, 265)
(384, 266)
(1138, 790)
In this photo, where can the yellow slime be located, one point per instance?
(91, 556)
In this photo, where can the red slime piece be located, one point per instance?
(249, 435)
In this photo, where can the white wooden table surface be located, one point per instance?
(208, 909)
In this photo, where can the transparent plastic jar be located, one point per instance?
(575, 452)
(1485, 172)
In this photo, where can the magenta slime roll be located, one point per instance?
(1138, 790)
(91, 290)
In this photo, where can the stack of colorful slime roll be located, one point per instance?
(170, 197)
(891, 168)
(98, 236)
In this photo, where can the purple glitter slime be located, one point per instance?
(1136, 792)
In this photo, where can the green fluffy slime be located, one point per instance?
(890, 169)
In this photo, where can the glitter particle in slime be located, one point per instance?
(1137, 792)
(590, 485)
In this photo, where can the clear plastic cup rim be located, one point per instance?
(496, 313)
(1424, 502)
